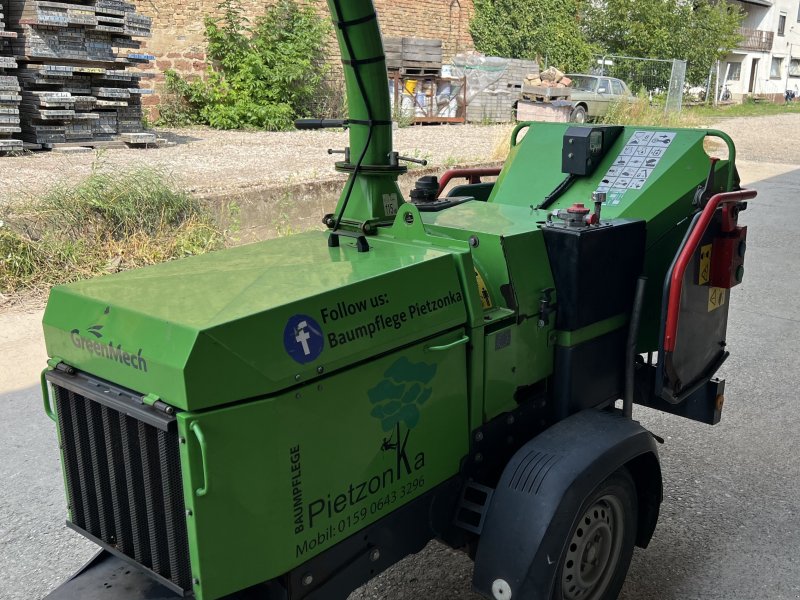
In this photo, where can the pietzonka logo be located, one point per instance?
(90, 341)
(397, 399)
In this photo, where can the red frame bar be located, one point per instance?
(682, 263)
(472, 175)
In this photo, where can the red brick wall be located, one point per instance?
(178, 41)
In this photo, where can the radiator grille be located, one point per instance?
(124, 484)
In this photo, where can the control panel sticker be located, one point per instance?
(635, 164)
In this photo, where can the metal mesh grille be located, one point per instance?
(124, 484)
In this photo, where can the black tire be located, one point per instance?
(578, 115)
(599, 549)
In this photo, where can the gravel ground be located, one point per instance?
(207, 161)
(210, 162)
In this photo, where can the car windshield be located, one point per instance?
(583, 83)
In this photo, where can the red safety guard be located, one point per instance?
(676, 282)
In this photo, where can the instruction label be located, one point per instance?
(635, 164)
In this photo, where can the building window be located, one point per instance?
(782, 25)
(775, 68)
(734, 71)
(794, 67)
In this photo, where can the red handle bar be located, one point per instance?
(472, 175)
(681, 264)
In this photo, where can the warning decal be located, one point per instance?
(705, 265)
(635, 164)
(716, 298)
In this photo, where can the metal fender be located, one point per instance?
(540, 492)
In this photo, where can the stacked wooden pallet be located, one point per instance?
(9, 93)
(74, 59)
(495, 104)
(414, 57)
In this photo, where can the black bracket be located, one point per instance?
(546, 307)
(361, 240)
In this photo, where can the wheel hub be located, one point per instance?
(593, 551)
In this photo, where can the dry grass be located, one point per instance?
(109, 222)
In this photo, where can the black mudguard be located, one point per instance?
(541, 491)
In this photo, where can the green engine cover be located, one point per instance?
(253, 320)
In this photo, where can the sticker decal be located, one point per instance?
(483, 292)
(716, 298)
(303, 339)
(635, 164)
(705, 265)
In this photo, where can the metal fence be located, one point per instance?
(661, 79)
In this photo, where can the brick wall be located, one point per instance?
(178, 42)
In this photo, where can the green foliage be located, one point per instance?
(260, 76)
(700, 32)
(110, 221)
(533, 29)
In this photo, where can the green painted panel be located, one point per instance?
(516, 356)
(265, 316)
(288, 477)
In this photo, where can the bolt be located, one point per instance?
(320, 370)
(409, 218)
(474, 241)
(182, 440)
(196, 581)
(297, 396)
(478, 457)
(307, 579)
(374, 555)
(479, 436)
(189, 512)
(297, 377)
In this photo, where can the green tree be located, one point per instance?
(260, 76)
(699, 31)
(532, 29)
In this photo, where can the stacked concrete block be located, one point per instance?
(75, 59)
(495, 104)
(9, 93)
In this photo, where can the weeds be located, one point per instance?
(109, 222)
(641, 112)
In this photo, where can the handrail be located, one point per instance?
(686, 254)
(473, 175)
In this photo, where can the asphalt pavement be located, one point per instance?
(729, 527)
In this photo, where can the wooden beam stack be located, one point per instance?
(74, 59)
(9, 92)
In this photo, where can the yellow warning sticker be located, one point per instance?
(716, 298)
(483, 292)
(705, 265)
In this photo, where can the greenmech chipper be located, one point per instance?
(287, 419)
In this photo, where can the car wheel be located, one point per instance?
(600, 546)
(578, 115)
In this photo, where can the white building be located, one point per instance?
(767, 62)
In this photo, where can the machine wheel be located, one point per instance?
(597, 556)
(578, 115)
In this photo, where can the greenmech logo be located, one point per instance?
(92, 341)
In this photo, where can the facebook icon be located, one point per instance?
(303, 339)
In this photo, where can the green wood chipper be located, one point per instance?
(287, 419)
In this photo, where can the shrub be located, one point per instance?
(259, 77)
(110, 221)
